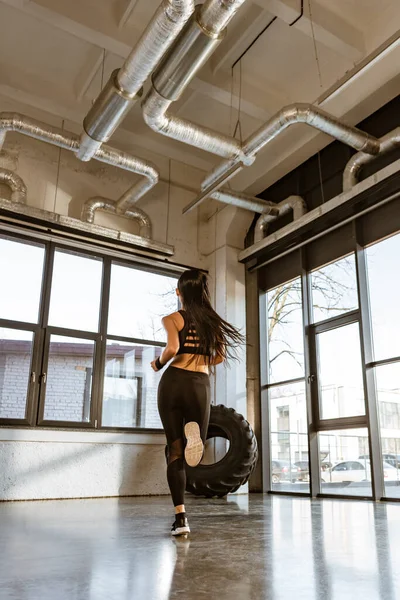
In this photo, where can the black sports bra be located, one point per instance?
(188, 338)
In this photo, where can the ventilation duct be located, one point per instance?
(16, 185)
(294, 204)
(124, 86)
(351, 174)
(295, 113)
(70, 141)
(103, 204)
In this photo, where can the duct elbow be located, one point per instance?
(142, 218)
(154, 108)
(16, 185)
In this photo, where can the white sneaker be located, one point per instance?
(194, 445)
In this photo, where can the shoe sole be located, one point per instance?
(180, 531)
(194, 445)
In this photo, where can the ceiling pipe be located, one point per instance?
(292, 203)
(242, 201)
(200, 37)
(70, 141)
(353, 168)
(125, 85)
(290, 115)
(136, 214)
(16, 185)
(195, 44)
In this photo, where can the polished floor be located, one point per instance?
(243, 548)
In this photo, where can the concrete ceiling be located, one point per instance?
(343, 55)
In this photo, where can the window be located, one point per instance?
(334, 289)
(79, 354)
(75, 291)
(138, 301)
(130, 386)
(340, 372)
(285, 332)
(384, 297)
(345, 468)
(288, 436)
(21, 268)
(68, 381)
(387, 378)
(15, 372)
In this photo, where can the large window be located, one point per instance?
(384, 294)
(285, 388)
(138, 301)
(77, 335)
(344, 387)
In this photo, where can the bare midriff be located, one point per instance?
(190, 362)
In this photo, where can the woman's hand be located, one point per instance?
(153, 366)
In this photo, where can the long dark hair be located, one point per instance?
(216, 336)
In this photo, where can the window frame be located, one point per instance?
(371, 420)
(35, 399)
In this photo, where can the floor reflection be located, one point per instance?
(241, 548)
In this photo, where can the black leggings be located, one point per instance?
(183, 396)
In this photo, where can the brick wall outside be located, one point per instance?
(65, 388)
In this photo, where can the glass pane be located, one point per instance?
(75, 292)
(340, 373)
(21, 271)
(344, 462)
(285, 332)
(388, 393)
(15, 369)
(288, 435)
(130, 386)
(138, 301)
(334, 289)
(384, 293)
(69, 379)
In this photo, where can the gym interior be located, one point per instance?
(256, 140)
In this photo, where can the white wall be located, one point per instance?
(45, 464)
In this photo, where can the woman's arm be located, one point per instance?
(172, 346)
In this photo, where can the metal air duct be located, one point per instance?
(16, 185)
(136, 214)
(70, 141)
(351, 174)
(124, 86)
(191, 49)
(292, 203)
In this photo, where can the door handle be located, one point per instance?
(311, 378)
(43, 378)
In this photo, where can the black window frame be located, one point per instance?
(272, 270)
(42, 331)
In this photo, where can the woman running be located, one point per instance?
(197, 339)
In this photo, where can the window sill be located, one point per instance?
(84, 437)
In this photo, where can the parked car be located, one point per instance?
(283, 470)
(303, 465)
(359, 470)
(392, 459)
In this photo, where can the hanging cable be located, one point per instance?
(300, 15)
(321, 183)
(315, 45)
(58, 172)
(238, 125)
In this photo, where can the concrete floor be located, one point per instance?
(257, 547)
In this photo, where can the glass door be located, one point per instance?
(337, 383)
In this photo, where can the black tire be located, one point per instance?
(235, 468)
